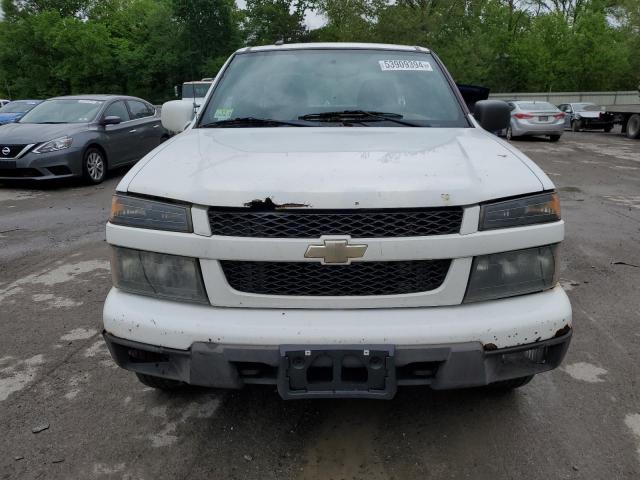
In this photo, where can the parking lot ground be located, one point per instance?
(66, 411)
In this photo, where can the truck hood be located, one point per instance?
(335, 167)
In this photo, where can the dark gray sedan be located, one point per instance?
(79, 136)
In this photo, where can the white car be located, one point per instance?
(335, 223)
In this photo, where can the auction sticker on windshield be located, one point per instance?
(407, 65)
(223, 113)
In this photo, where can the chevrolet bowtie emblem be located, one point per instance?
(335, 251)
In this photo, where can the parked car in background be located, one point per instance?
(79, 136)
(14, 111)
(535, 118)
(3, 102)
(586, 116)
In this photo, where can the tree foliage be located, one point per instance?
(145, 47)
(269, 21)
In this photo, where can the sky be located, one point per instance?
(315, 20)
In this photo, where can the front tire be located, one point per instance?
(94, 166)
(159, 383)
(608, 128)
(554, 138)
(576, 125)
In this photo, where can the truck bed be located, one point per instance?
(623, 108)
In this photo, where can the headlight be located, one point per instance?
(508, 274)
(520, 211)
(157, 274)
(143, 213)
(54, 145)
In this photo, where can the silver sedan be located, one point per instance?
(535, 118)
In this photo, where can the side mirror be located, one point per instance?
(176, 115)
(111, 120)
(492, 115)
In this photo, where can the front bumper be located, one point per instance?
(43, 166)
(443, 366)
(452, 346)
(501, 323)
(597, 122)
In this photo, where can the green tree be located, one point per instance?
(45, 54)
(210, 31)
(17, 8)
(145, 44)
(267, 21)
(347, 20)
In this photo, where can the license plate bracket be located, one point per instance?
(543, 118)
(354, 371)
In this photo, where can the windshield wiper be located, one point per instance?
(250, 122)
(359, 116)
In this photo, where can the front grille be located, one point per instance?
(10, 151)
(19, 172)
(245, 222)
(315, 279)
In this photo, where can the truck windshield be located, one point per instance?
(333, 87)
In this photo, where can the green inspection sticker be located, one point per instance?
(223, 113)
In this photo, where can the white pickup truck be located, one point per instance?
(335, 223)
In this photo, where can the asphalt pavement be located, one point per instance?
(67, 412)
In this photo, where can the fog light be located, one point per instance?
(536, 355)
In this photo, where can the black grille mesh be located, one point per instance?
(315, 279)
(357, 223)
(10, 151)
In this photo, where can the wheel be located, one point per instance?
(633, 126)
(576, 125)
(507, 385)
(94, 166)
(554, 138)
(608, 128)
(159, 383)
(509, 134)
